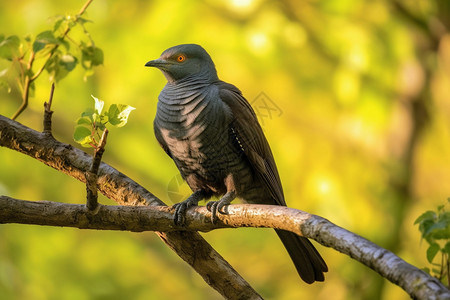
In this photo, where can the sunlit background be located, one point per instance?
(353, 97)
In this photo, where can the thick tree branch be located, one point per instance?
(190, 246)
(415, 282)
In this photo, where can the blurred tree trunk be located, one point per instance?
(414, 104)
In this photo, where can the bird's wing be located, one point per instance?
(250, 136)
(160, 139)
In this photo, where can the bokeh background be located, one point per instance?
(353, 97)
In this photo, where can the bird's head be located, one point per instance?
(185, 61)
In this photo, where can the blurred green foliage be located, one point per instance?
(51, 49)
(361, 136)
(435, 229)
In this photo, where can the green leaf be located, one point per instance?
(436, 227)
(88, 113)
(59, 65)
(43, 39)
(98, 105)
(429, 215)
(100, 126)
(87, 121)
(82, 135)
(118, 114)
(441, 227)
(445, 216)
(5, 85)
(58, 25)
(446, 248)
(97, 57)
(54, 67)
(91, 56)
(64, 43)
(440, 231)
(425, 227)
(83, 21)
(9, 47)
(68, 61)
(432, 251)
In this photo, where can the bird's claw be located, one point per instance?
(217, 207)
(179, 217)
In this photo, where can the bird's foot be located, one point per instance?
(218, 206)
(179, 218)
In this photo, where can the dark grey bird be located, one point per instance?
(212, 134)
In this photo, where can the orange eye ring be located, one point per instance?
(181, 58)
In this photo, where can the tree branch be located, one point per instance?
(190, 246)
(48, 112)
(415, 282)
(92, 174)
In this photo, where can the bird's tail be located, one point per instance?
(307, 260)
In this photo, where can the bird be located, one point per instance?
(213, 135)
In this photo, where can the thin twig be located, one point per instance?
(48, 112)
(26, 86)
(39, 71)
(85, 6)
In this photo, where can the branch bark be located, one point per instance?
(92, 174)
(190, 246)
(415, 282)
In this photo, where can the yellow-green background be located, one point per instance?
(345, 75)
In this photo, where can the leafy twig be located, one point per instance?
(28, 77)
(435, 229)
(93, 121)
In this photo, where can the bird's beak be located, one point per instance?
(157, 63)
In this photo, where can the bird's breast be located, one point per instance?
(200, 131)
(195, 126)
(188, 120)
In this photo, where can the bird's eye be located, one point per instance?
(181, 58)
